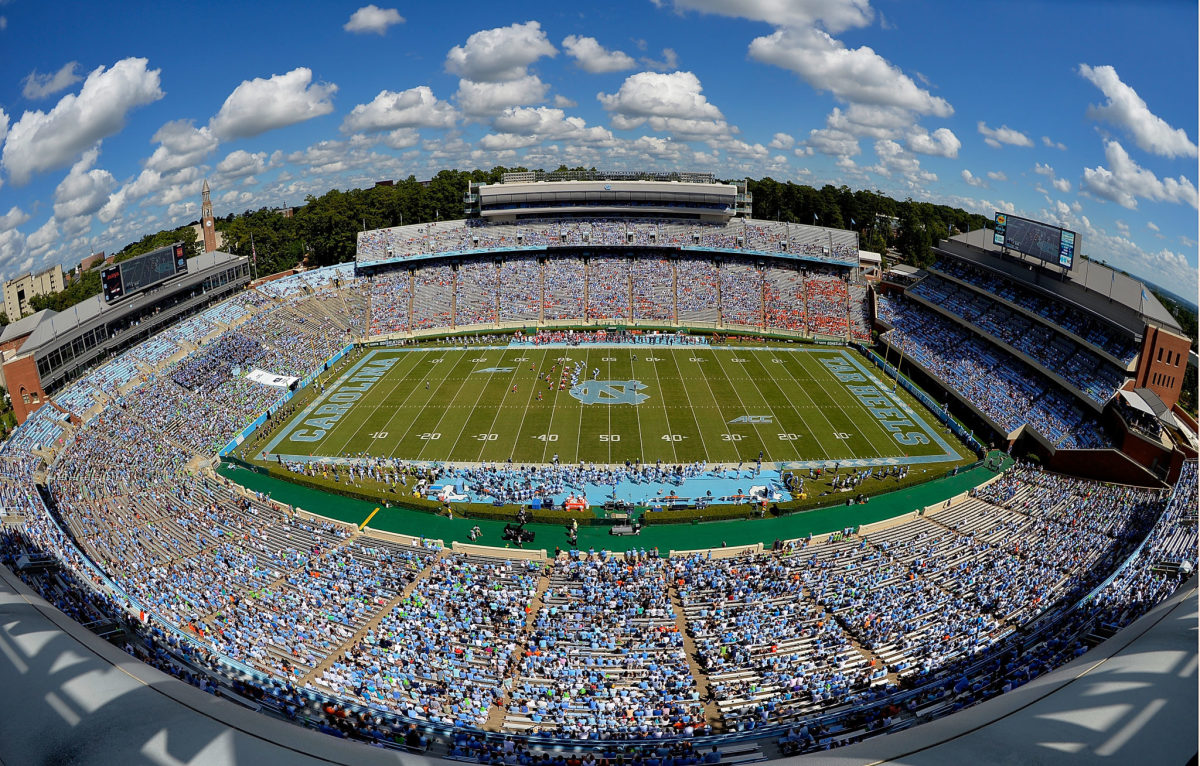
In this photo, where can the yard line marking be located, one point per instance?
(812, 402)
(371, 411)
(688, 396)
(433, 392)
(795, 447)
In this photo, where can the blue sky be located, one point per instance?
(1080, 113)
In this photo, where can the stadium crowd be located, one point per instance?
(314, 614)
(1003, 387)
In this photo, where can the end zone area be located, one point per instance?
(607, 404)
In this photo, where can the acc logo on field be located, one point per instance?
(753, 419)
(609, 392)
(497, 369)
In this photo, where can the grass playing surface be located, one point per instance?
(720, 405)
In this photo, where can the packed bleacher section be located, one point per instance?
(1054, 310)
(470, 236)
(603, 288)
(830, 639)
(608, 288)
(563, 289)
(390, 302)
(475, 292)
(741, 293)
(519, 289)
(783, 298)
(652, 281)
(827, 302)
(592, 643)
(431, 301)
(696, 290)
(1093, 375)
(604, 655)
(1005, 389)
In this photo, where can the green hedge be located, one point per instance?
(711, 513)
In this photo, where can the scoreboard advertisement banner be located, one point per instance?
(1052, 244)
(136, 274)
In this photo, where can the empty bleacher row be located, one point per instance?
(1005, 389)
(690, 290)
(835, 246)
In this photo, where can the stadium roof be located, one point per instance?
(607, 175)
(1104, 291)
(25, 325)
(53, 324)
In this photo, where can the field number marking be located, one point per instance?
(738, 359)
(430, 437)
(547, 437)
(653, 359)
(479, 359)
(379, 435)
(789, 437)
(521, 359)
(695, 359)
(609, 359)
(777, 360)
(731, 437)
(673, 437)
(610, 437)
(435, 361)
(486, 437)
(840, 435)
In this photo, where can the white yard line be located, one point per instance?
(766, 401)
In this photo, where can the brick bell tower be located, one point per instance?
(206, 219)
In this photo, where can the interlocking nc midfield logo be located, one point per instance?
(609, 392)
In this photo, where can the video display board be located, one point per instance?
(136, 274)
(1052, 244)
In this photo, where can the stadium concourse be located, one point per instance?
(813, 642)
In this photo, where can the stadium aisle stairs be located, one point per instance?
(371, 624)
(712, 712)
(499, 710)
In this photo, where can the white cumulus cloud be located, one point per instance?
(1127, 110)
(782, 141)
(258, 105)
(940, 143)
(483, 98)
(1124, 181)
(997, 137)
(501, 54)
(181, 144)
(84, 189)
(371, 19)
(36, 86)
(592, 57)
(973, 180)
(668, 102)
(415, 107)
(41, 141)
(856, 75)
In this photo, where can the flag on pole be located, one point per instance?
(814, 217)
(851, 221)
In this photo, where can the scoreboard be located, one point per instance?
(1053, 244)
(130, 277)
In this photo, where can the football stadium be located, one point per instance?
(606, 469)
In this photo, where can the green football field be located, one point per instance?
(719, 405)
